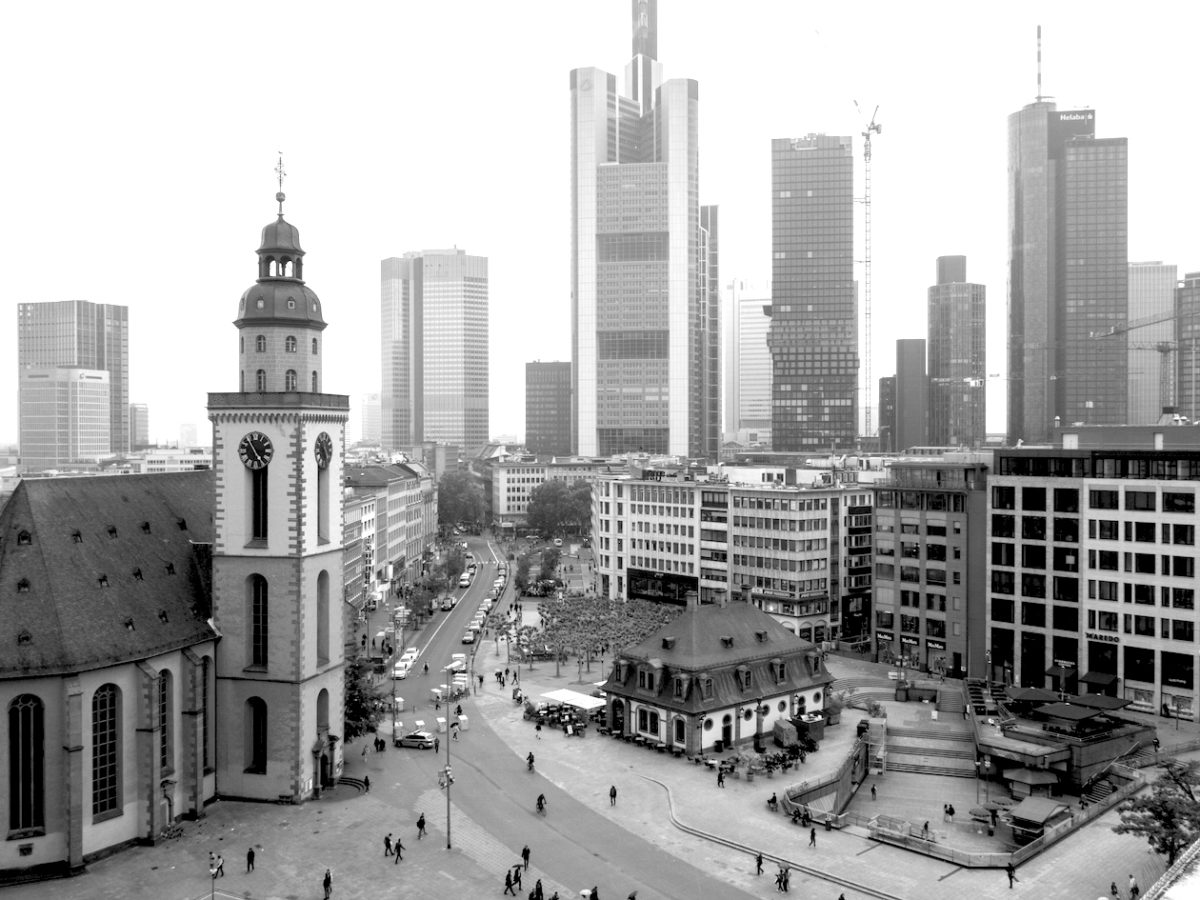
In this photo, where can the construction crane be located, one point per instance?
(876, 128)
(1167, 386)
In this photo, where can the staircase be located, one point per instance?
(931, 752)
(357, 783)
(1099, 790)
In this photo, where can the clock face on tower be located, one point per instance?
(255, 450)
(323, 449)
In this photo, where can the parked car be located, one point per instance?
(410, 653)
(464, 580)
(422, 740)
(469, 637)
(401, 669)
(448, 602)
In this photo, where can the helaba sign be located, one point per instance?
(1078, 115)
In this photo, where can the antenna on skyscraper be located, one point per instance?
(876, 128)
(1040, 95)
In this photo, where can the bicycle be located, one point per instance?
(541, 804)
(171, 832)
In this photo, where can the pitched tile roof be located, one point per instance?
(98, 571)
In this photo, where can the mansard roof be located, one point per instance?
(104, 570)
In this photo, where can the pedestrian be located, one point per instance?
(787, 879)
(508, 883)
(454, 730)
(779, 881)
(925, 831)
(812, 837)
(328, 884)
(950, 809)
(1134, 890)
(387, 844)
(250, 860)
(758, 861)
(1011, 871)
(537, 890)
(506, 672)
(720, 778)
(945, 812)
(421, 826)
(612, 796)
(517, 876)
(632, 895)
(367, 783)
(221, 866)
(873, 792)
(399, 847)
(437, 742)
(595, 894)
(1115, 891)
(525, 856)
(364, 753)
(538, 731)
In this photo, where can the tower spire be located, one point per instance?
(645, 28)
(279, 171)
(1039, 64)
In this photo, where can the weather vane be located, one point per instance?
(279, 170)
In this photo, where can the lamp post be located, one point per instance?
(987, 656)
(449, 781)
(700, 733)
(212, 875)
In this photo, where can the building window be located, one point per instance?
(289, 344)
(255, 732)
(260, 380)
(106, 750)
(26, 763)
(289, 380)
(323, 618)
(1179, 503)
(258, 620)
(314, 346)
(1004, 497)
(1102, 499)
(1140, 500)
(166, 759)
(258, 503)
(314, 381)
(205, 711)
(260, 343)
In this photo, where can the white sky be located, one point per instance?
(140, 138)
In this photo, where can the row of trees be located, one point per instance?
(556, 507)
(588, 626)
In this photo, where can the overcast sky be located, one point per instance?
(140, 139)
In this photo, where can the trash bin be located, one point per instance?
(718, 746)
(441, 724)
(462, 723)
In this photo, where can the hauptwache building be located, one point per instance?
(166, 640)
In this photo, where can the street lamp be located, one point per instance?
(449, 781)
(212, 874)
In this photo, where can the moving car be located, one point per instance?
(410, 653)
(422, 740)
(464, 580)
(448, 602)
(401, 669)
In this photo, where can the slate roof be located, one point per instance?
(714, 641)
(103, 570)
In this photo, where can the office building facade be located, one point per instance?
(1187, 313)
(1151, 296)
(548, 408)
(434, 349)
(1068, 272)
(748, 366)
(912, 394)
(139, 426)
(66, 417)
(78, 334)
(643, 291)
(957, 357)
(813, 337)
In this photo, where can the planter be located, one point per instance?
(834, 718)
(749, 776)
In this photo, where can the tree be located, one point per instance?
(586, 625)
(556, 507)
(460, 499)
(1168, 816)
(521, 576)
(360, 713)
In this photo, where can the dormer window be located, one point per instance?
(170, 568)
(182, 524)
(103, 580)
(726, 641)
(680, 686)
(706, 688)
(744, 678)
(162, 616)
(112, 531)
(761, 636)
(646, 679)
(778, 669)
(23, 586)
(77, 536)
(291, 303)
(668, 643)
(145, 528)
(137, 574)
(24, 538)
(129, 624)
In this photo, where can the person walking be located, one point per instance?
(873, 797)
(1115, 891)
(387, 844)
(517, 876)
(758, 861)
(950, 812)
(1134, 890)
(1011, 871)
(421, 826)
(221, 866)
(812, 837)
(720, 778)
(367, 784)
(437, 742)
(250, 860)
(779, 881)
(508, 883)
(525, 856)
(787, 879)
(327, 883)
(612, 796)
(399, 848)
(537, 890)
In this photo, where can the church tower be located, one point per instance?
(277, 558)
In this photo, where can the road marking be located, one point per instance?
(954, 871)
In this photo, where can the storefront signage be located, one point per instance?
(1107, 638)
(935, 645)
(909, 640)
(884, 636)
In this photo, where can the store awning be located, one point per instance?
(1100, 701)
(1031, 695)
(574, 698)
(1060, 671)
(1100, 679)
(1031, 776)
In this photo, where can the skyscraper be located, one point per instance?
(434, 336)
(957, 357)
(1187, 311)
(912, 394)
(65, 417)
(643, 287)
(369, 419)
(139, 426)
(1151, 296)
(548, 408)
(813, 336)
(78, 334)
(1068, 271)
(748, 365)
(887, 414)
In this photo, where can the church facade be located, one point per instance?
(166, 640)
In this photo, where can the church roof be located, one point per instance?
(103, 570)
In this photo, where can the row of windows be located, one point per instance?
(289, 344)
(1067, 499)
(290, 381)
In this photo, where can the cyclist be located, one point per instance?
(541, 803)
(426, 669)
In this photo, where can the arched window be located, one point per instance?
(260, 380)
(241, 381)
(314, 346)
(257, 588)
(255, 730)
(26, 767)
(289, 380)
(323, 711)
(241, 343)
(260, 343)
(323, 618)
(289, 344)
(314, 382)
(106, 751)
(166, 756)
(205, 709)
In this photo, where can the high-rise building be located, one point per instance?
(1151, 296)
(1187, 317)
(643, 287)
(813, 338)
(139, 426)
(78, 334)
(65, 417)
(548, 408)
(189, 436)
(748, 366)
(370, 421)
(912, 394)
(434, 335)
(887, 414)
(1068, 271)
(957, 357)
